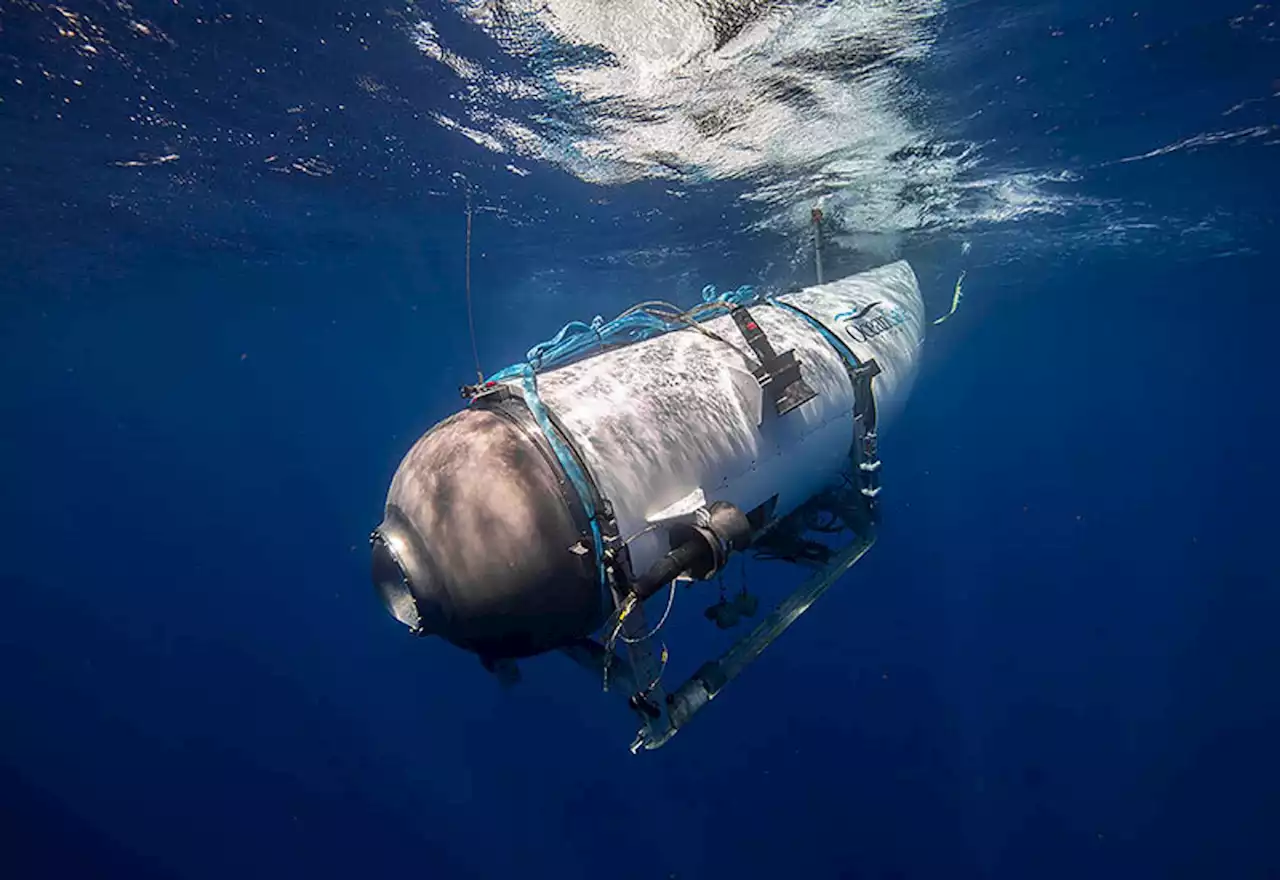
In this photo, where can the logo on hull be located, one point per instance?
(871, 320)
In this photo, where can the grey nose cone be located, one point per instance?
(478, 542)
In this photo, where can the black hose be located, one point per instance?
(666, 569)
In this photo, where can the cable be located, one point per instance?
(471, 322)
(671, 600)
(661, 669)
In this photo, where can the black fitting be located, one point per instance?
(688, 556)
(729, 524)
(700, 550)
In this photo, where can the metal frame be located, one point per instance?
(678, 708)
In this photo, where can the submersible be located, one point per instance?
(624, 456)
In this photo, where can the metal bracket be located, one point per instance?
(778, 374)
(866, 446)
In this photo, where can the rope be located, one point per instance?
(639, 322)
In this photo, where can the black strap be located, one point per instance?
(866, 457)
(864, 402)
(778, 374)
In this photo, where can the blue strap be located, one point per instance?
(575, 340)
(861, 380)
(568, 461)
(850, 359)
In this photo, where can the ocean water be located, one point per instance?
(233, 295)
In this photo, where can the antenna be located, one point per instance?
(471, 321)
(815, 217)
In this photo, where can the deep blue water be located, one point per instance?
(1060, 658)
